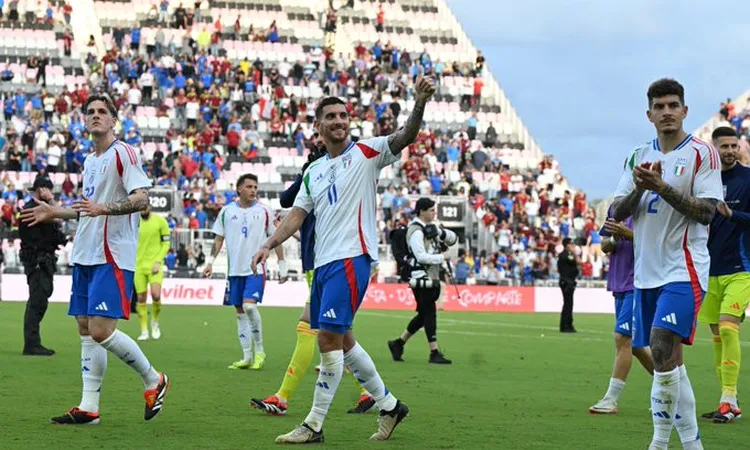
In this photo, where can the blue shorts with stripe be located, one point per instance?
(624, 313)
(249, 287)
(337, 292)
(673, 307)
(101, 290)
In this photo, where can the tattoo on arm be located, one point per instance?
(700, 210)
(406, 135)
(625, 207)
(136, 201)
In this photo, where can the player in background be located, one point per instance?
(670, 186)
(153, 245)
(245, 224)
(619, 247)
(115, 188)
(304, 350)
(341, 190)
(729, 276)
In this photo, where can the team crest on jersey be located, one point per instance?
(103, 168)
(347, 160)
(332, 176)
(679, 169)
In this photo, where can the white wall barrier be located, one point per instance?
(192, 291)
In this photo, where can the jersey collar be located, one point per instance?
(351, 144)
(684, 142)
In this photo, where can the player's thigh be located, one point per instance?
(234, 290)
(624, 313)
(110, 291)
(677, 309)
(155, 280)
(736, 295)
(254, 289)
(711, 306)
(644, 310)
(140, 280)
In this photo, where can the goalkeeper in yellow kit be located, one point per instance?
(153, 245)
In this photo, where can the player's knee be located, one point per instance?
(728, 329)
(665, 348)
(249, 307)
(623, 342)
(83, 326)
(142, 297)
(99, 334)
(329, 341)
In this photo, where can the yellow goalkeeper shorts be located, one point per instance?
(144, 278)
(727, 295)
(309, 276)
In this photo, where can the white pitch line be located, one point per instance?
(515, 325)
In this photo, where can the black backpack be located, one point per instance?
(401, 252)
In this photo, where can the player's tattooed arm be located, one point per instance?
(625, 207)
(136, 201)
(407, 134)
(700, 210)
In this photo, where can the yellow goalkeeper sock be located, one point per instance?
(155, 311)
(142, 310)
(730, 360)
(300, 362)
(362, 390)
(717, 356)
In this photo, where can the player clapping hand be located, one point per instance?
(647, 176)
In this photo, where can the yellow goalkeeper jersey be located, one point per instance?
(153, 241)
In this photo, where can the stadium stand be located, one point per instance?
(208, 90)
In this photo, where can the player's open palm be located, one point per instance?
(38, 214)
(424, 88)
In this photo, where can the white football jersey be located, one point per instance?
(245, 230)
(110, 178)
(669, 247)
(341, 192)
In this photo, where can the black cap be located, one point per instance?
(423, 204)
(566, 241)
(43, 182)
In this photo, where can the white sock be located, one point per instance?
(685, 420)
(731, 399)
(364, 370)
(329, 377)
(615, 389)
(93, 366)
(246, 337)
(128, 351)
(665, 394)
(251, 310)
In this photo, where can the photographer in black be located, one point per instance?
(567, 267)
(426, 244)
(38, 246)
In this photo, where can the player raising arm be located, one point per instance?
(115, 188)
(671, 187)
(729, 276)
(341, 190)
(245, 224)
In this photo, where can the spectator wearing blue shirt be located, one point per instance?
(201, 216)
(171, 259)
(135, 39)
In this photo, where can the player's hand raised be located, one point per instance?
(208, 271)
(38, 214)
(259, 258)
(88, 208)
(424, 88)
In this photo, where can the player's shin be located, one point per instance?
(128, 351)
(329, 377)
(718, 355)
(142, 310)
(685, 419)
(300, 362)
(251, 310)
(665, 393)
(367, 375)
(244, 333)
(155, 308)
(730, 361)
(93, 367)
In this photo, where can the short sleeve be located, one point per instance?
(130, 169)
(707, 183)
(626, 184)
(304, 199)
(270, 227)
(378, 150)
(218, 227)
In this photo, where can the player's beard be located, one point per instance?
(145, 215)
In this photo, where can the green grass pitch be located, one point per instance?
(509, 387)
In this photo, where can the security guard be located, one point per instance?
(38, 246)
(567, 267)
(426, 243)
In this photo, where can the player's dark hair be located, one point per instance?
(101, 98)
(723, 132)
(664, 87)
(243, 178)
(328, 101)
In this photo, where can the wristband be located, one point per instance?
(283, 268)
(612, 240)
(210, 260)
